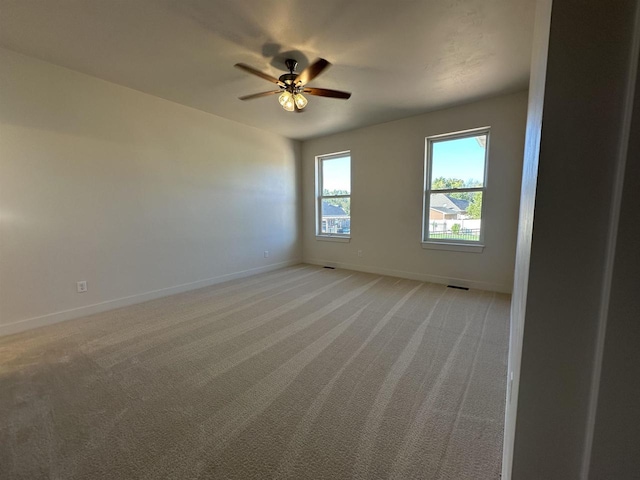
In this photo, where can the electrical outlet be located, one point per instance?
(360, 253)
(266, 254)
(82, 286)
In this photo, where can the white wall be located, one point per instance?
(525, 225)
(387, 182)
(138, 196)
(577, 412)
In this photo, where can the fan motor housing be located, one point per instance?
(288, 78)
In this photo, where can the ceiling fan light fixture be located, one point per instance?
(287, 101)
(293, 84)
(300, 100)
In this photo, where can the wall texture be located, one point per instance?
(577, 411)
(387, 164)
(136, 195)
(525, 225)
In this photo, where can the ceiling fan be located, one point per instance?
(293, 85)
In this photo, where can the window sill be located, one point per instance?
(453, 247)
(330, 238)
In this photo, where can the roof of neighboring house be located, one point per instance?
(329, 210)
(440, 201)
(445, 210)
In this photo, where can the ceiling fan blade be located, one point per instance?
(258, 73)
(325, 92)
(258, 95)
(312, 71)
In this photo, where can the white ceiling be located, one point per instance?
(398, 58)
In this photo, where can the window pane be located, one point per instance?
(336, 176)
(458, 163)
(455, 216)
(336, 216)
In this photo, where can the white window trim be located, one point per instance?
(449, 244)
(453, 247)
(328, 237)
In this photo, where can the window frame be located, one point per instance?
(475, 246)
(338, 237)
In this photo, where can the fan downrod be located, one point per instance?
(291, 64)
(289, 78)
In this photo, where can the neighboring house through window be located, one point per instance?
(455, 182)
(333, 195)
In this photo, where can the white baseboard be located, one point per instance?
(50, 318)
(423, 277)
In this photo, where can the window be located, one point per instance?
(455, 180)
(333, 187)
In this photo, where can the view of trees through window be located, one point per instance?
(474, 209)
(454, 188)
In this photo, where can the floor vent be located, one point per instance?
(452, 286)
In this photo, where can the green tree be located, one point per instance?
(475, 207)
(442, 183)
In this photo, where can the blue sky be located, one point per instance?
(337, 174)
(461, 158)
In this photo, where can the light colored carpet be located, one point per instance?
(299, 373)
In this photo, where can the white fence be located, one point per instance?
(444, 226)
